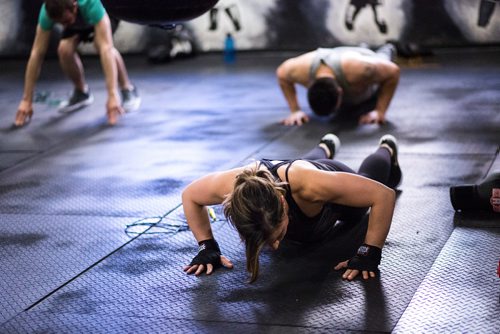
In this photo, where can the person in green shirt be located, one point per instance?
(83, 21)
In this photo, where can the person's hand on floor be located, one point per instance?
(208, 259)
(373, 117)
(113, 109)
(366, 261)
(24, 113)
(199, 269)
(296, 118)
(351, 274)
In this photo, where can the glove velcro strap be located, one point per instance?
(209, 244)
(208, 252)
(366, 259)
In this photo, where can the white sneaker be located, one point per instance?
(130, 99)
(332, 142)
(396, 175)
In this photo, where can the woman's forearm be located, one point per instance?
(197, 218)
(379, 221)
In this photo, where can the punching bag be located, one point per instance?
(482, 196)
(157, 12)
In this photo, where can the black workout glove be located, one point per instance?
(208, 252)
(366, 259)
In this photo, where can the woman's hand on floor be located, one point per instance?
(209, 268)
(350, 274)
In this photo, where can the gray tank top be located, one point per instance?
(332, 57)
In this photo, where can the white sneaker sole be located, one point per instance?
(336, 142)
(393, 139)
(133, 105)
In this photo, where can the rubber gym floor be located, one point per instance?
(92, 237)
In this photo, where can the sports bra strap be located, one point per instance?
(286, 170)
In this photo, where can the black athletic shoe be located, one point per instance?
(332, 142)
(77, 101)
(396, 175)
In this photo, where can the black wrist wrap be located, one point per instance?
(366, 259)
(208, 252)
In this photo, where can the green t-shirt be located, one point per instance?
(92, 11)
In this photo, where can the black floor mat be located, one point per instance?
(69, 185)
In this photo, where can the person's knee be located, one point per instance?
(117, 55)
(106, 48)
(65, 49)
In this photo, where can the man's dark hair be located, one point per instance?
(55, 8)
(323, 96)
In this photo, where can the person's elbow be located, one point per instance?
(389, 196)
(186, 195)
(394, 72)
(283, 70)
(280, 73)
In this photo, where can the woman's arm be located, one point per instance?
(208, 190)
(357, 191)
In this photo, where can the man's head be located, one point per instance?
(62, 11)
(324, 96)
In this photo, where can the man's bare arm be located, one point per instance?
(390, 79)
(105, 47)
(37, 54)
(291, 72)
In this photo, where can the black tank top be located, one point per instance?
(302, 227)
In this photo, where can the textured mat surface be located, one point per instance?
(461, 292)
(298, 291)
(69, 185)
(42, 253)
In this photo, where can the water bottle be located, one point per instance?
(229, 50)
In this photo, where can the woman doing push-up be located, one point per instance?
(271, 200)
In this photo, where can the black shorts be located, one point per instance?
(86, 34)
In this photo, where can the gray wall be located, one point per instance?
(291, 25)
